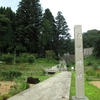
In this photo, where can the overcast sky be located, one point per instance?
(76, 12)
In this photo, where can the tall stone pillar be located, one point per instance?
(79, 64)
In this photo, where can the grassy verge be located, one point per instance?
(19, 72)
(92, 92)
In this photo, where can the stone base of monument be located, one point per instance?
(75, 98)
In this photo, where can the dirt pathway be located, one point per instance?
(96, 83)
(5, 86)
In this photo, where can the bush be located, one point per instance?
(18, 60)
(8, 58)
(95, 66)
(10, 74)
(18, 87)
(50, 55)
(31, 59)
(98, 75)
(90, 72)
(92, 75)
(23, 57)
(5, 97)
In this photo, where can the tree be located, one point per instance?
(7, 23)
(28, 25)
(97, 46)
(48, 31)
(62, 36)
(90, 38)
(4, 24)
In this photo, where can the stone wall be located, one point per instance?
(88, 52)
(69, 57)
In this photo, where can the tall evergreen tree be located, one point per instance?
(48, 31)
(9, 16)
(28, 26)
(4, 36)
(62, 36)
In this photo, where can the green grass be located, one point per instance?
(35, 70)
(45, 63)
(91, 91)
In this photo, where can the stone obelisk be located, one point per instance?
(79, 64)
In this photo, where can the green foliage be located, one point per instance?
(90, 72)
(8, 58)
(89, 61)
(92, 75)
(18, 87)
(23, 57)
(97, 46)
(50, 55)
(46, 63)
(62, 37)
(47, 32)
(39, 33)
(31, 11)
(10, 74)
(6, 29)
(5, 96)
(92, 61)
(18, 60)
(91, 91)
(19, 72)
(90, 38)
(31, 58)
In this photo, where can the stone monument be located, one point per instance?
(79, 64)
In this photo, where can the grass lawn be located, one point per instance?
(26, 69)
(91, 91)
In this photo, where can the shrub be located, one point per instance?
(50, 55)
(23, 57)
(90, 72)
(98, 74)
(10, 74)
(95, 66)
(8, 58)
(5, 97)
(92, 75)
(18, 87)
(18, 60)
(31, 59)
(89, 63)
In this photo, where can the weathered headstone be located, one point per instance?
(79, 66)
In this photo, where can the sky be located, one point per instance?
(76, 12)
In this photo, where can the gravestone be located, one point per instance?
(79, 66)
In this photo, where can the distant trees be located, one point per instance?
(30, 30)
(97, 46)
(6, 29)
(28, 26)
(92, 39)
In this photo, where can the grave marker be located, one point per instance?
(79, 64)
